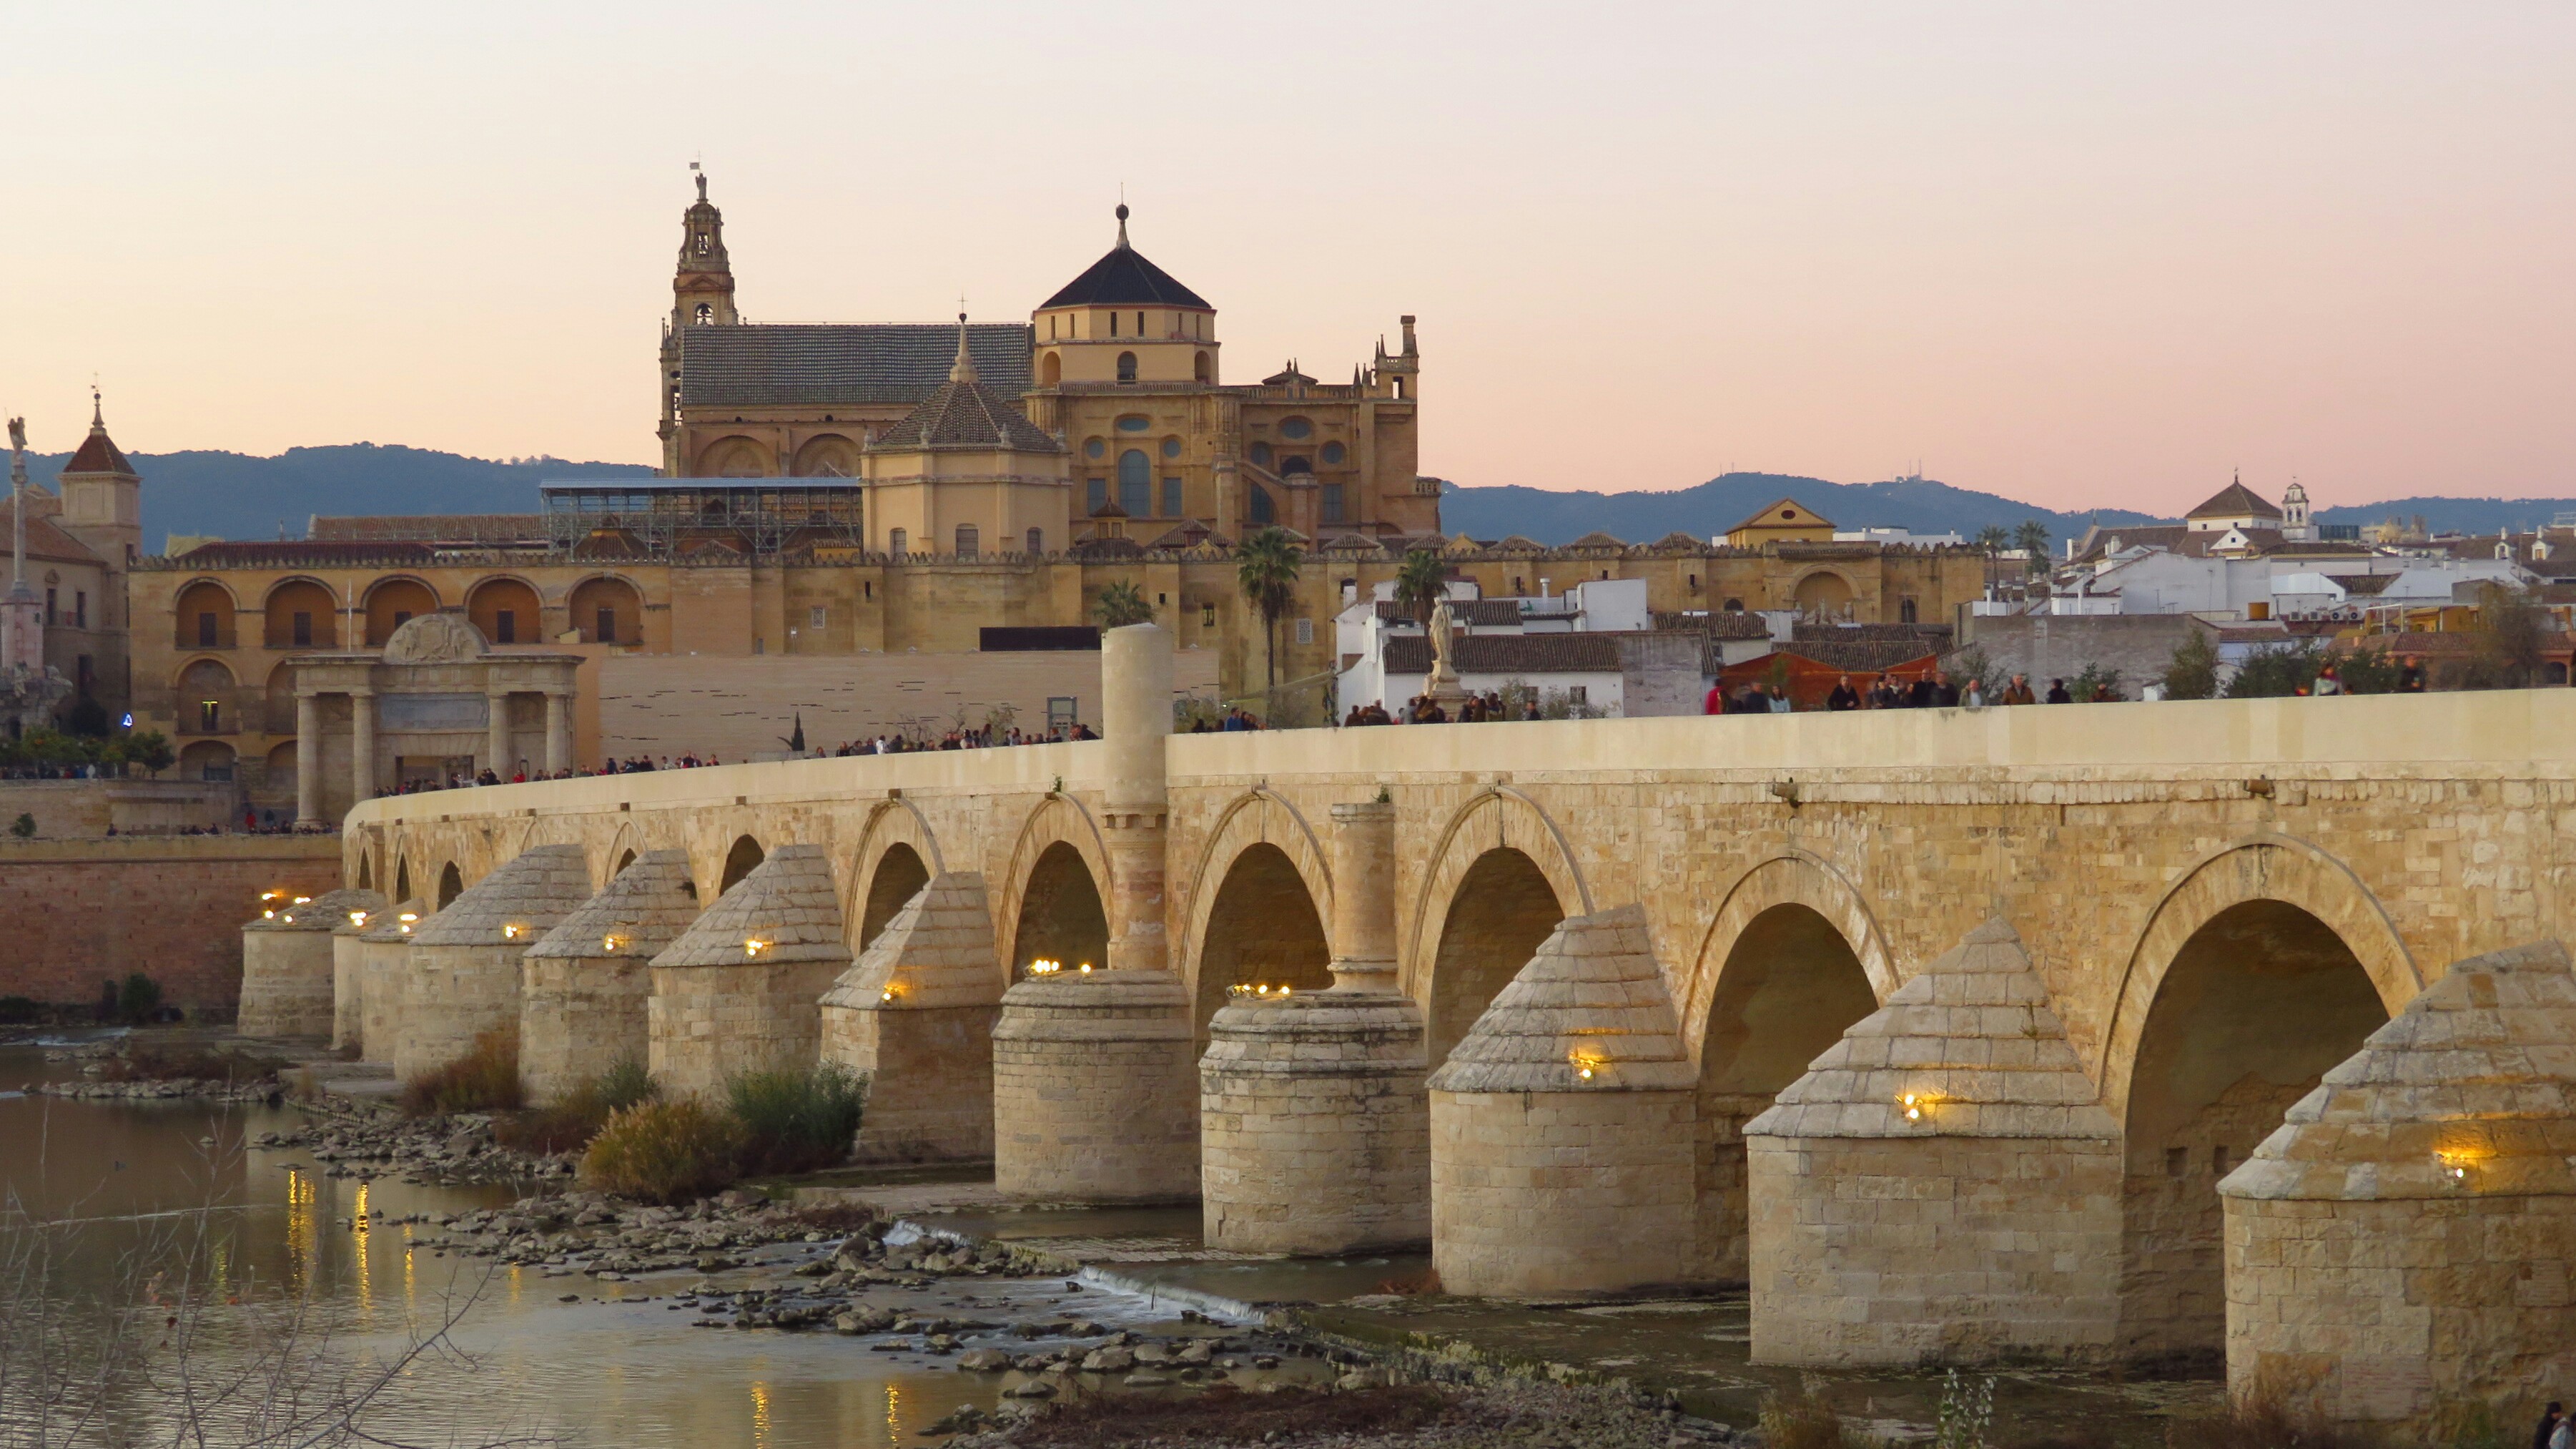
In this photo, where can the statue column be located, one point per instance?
(558, 731)
(1093, 1086)
(362, 745)
(308, 759)
(496, 733)
(1314, 1124)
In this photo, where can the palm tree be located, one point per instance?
(1121, 605)
(1265, 568)
(2032, 539)
(1993, 539)
(1419, 583)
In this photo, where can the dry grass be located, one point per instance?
(2272, 1414)
(1800, 1420)
(144, 1063)
(664, 1152)
(1227, 1415)
(1426, 1281)
(485, 1079)
(842, 1218)
(569, 1125)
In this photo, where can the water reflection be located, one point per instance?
(129, 1184)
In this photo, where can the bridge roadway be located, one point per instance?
(2208, 906)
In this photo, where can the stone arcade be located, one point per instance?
(1940, 1028)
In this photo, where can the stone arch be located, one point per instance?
(827, 455)
(736, 456)
(1501, 907)
(899, 875)
(2264, 966)
(891, 824)
(1061, 917)
(1262, 928)
(402, 878)
(1058, 820)
(1792, 878)
(741, 859)
(451, 884)
(606, 599)
(500, 600)
(207, 760)
(1497, 817)
(396, 594)
(1256, 817)
(279, 778)
(211, 599)
(1823, 591)
(366, 869)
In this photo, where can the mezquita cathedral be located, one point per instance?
(931, 506)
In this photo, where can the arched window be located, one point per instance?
(1126, 366)
(970, 543)
(1135, 483)
(706, 314)
(1199, 368)
(703, 244)
(897, 541)
(1735, 606)
(1262, 511)
(1295, 464)
(1051, 372)
(1037, 542)
(1905, 611)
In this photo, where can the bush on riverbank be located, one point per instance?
(665, 1151)
(183, 1063)
(569, 1125)
(796, 1120)
(485, 1079)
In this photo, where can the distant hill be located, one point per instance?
(1712, 508)
(237, 495)
(1923, 505)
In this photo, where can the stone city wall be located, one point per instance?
(84, 809)
(75, 913)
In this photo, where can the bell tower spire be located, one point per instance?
(702, 287)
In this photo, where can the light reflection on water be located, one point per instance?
(591, 1373)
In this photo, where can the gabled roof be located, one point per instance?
(1508, 654)
(1769, 517)
(1124, 278)
(2235, 501)
(1290, 377)
(826, 364)
(44, 540)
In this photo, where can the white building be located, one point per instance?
(1587, 647)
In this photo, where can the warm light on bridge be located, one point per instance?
(751, 949)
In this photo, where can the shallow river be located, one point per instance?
(114, 1181)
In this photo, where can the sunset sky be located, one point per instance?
(2081, 255)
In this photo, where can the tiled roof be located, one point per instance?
(296, 553)
(1866, 655)
(1920, 635)
(2235, 501)
(1590, 999)
(1972, 1038)
(1124, 278)
(1597, 539)
(1509, 654)
(386, 925)
(427, 528)
(98, 454)
(1482, 613)
(821, 364)
(965, 415)
(2472, 1075)
(787, 904)
(644, 910)
(519, 902)
(1768, 517)
(44, 540)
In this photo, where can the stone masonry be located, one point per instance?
(739, 991)
(384, 960)
(461, 979)
(915, 1016)
(287, 986)
(586, 985)
(1941, 1185)
(2401, 1249)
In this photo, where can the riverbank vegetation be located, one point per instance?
(569, 1125)
(485, 1079)
(789, 1120)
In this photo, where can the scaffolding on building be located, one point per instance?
(766, 515)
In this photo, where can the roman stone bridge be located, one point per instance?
(1939, 1028)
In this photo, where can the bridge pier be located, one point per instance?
(287, 981)
(741, 989)
(461, 980)
(349, 975)
(384, 950)
(2403, 1248)
(1562, 1126)
(586, 985)
(1314, 1125)
(1941, 1186)
(916, 1016)
(1094, 1092)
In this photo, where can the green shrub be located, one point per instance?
(189, 1064)
(796, 1120)
(140, 997)
(664, 1151)
(485, 1079)
(574, 1121)
(24, 827)
(1800, 1420)
(2193, 671)
(19, 1011)
(2277, 671)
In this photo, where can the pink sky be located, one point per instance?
(2080, 255)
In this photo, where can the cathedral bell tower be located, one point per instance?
(701, 296)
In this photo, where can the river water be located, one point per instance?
(109, 1183)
